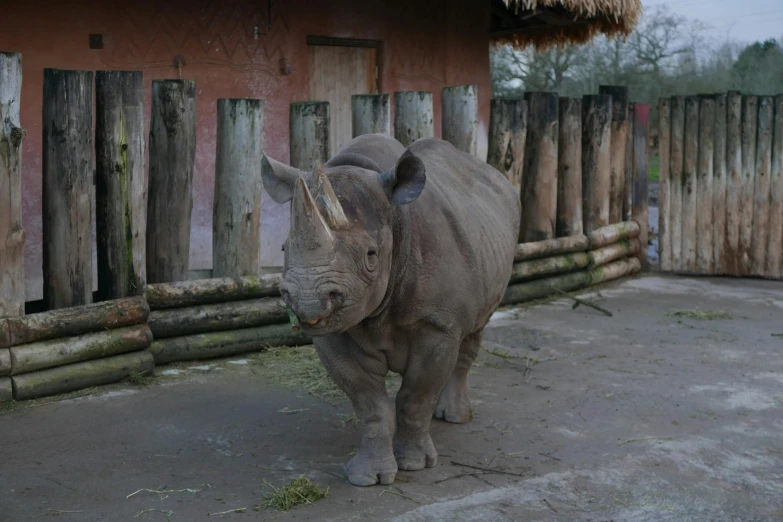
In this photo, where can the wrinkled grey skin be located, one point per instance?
(405, 282)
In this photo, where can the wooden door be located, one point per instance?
(336, 73)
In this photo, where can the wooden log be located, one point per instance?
(605, 255)
(370, 114)
(97, 345)
(760, 230)
(731, 256)
(309, 134)
(541, 288)
(72, 321)
(611, 234)
(596, 160)
(460, 117)
(223, 344)
(548, 266)
(615, 270)
(12, 234)
(82, 375)
(207, 291)
(569, 220)
(719, 243)
(620, 127)
(539, 177)
(507, 135)
(748, 133)
(236, 218)
(690, 184)
(676, 162)
(66, 187)
(664, 183)
(704, 197)
(639, 175)
(120, 199)
(774, 264)
(550, 247)
(215, 317)
(6, 389)
(172, 156)
(413, 116)
(5, 362)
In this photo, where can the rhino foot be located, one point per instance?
(366, 470)
(453, 403)
(415, 454)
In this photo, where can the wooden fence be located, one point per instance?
(721, 185)
(561, 155)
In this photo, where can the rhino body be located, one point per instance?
(395, 261)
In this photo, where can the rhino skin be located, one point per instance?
(395, 261)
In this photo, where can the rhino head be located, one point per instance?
(338, 254)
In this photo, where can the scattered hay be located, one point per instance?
(140, 378)
(298, 491)
(700, 315)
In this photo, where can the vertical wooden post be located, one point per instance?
(539, 177)
(619, 139)
(236, 214)
(748, 132)
(67, 182)
(172, 156)
(719, 243)
(569, 169)
(507, 134)
(731, 258)
(309, 134)
(120, 200)
(413, 116)
(370, 114)
(760, 227)
(704, 195)
(629, 170)
(459, 117)
(774, 264)
(596, 173)
(640, 118)
(689, 183)
(12, 235)
(676, 161)
(664, 191)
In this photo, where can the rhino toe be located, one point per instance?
(363, 470)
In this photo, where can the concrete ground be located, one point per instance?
(642, 416)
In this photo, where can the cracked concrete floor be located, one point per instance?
(643, 416)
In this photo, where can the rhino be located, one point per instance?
(395, 260)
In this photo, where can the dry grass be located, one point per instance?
(700, 315)
(298, 491)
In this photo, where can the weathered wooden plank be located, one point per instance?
(413, 116)
(309, 134)
(236, 219)
(760, 229)
(774, 264)
(569, 169)
(370, 114)
(507, 135)
(614, 270)
(66, 186)
(120, 199)
(596, 164)
(171, 157)
(664, 184)
(460, 117)
(97, 345)
(676, 162)
(639, 175)
(546, 287)
(82, 375)
(690, 184)
(731, 256)
(719, 238)
(611, 234)
(550, 247)
(206, 291)
(620, 128)
(750, 117)
(629, 169)
(605, 255)
(539, 178)
(704, 196)
(548, 266)
(12, 234)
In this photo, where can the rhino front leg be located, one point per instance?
(375, 461)
(429, 368)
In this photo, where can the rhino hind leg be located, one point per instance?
(453, 403)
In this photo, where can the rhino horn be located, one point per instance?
(307, 222)
(328, 202)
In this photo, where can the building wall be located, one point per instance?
(235, 48)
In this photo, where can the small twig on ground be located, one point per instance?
(63, 485)
(487, 470)
(288, 411)
(56, 513)
(579, 301)
(162, 492)
(777, 335)
(471, 474)
(550, 506)
(643, 439)
(580, 414)
(238, 510)
(621, 502)
(550, 456)
(390, 490)
(166, 512)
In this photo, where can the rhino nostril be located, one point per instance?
(336, 298)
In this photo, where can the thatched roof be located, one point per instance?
(543, 23)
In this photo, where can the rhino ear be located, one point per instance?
(280, 179)
(405, 181)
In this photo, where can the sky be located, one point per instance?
(739, 20)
